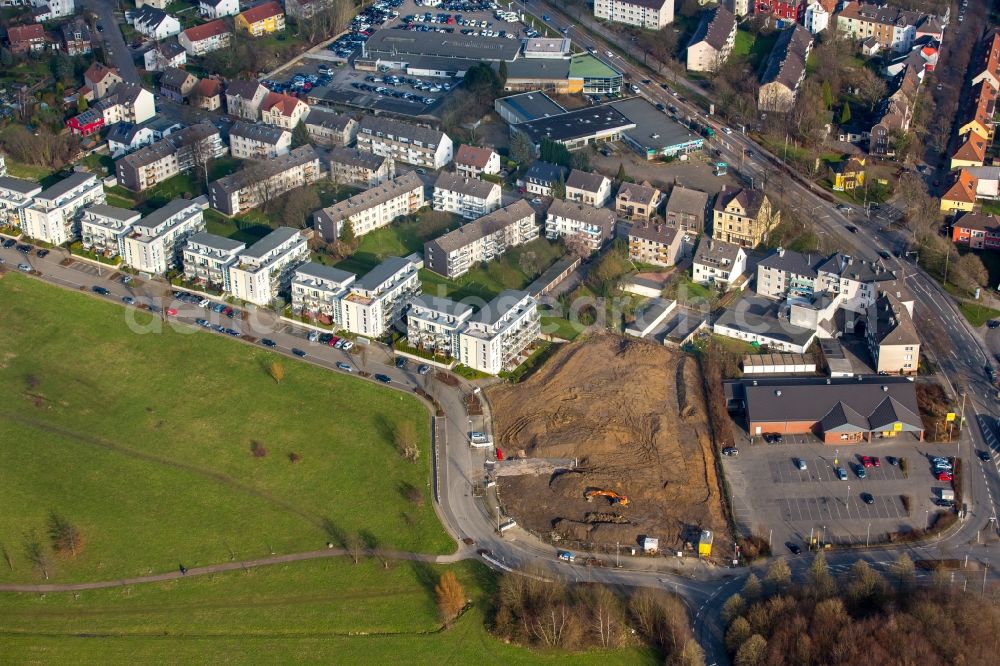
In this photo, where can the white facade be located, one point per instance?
(208, 258)
(202, 39)
(16, 195)
(469, 197)
(154, 242)
(265, 268)
(649, 14)
(57, 8)
(214, 9)
(131, 106)
(594, 226)
(258, 142)
(103, 228)
(433, 323)
(718, 262)
(493, 340)
(374, 208)
(52, 216)
(816, 18)
(582, 190)
(319, 290)
(159, 27)
(377, 300)
(403, 142)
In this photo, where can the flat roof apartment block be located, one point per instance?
(208, 258)
(485, 239)
(264, 270)
(16, 194)
(318, 290)
(378, 299)
(494, 339)
(53, 215)
(373, 208)
(103, 229)
(154, 243)
(433, 323)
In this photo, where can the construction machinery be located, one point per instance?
(612, 496)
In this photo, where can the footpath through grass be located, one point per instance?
(329, 611)
(143, 441)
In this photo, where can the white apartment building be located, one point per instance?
(433, 323)
(317, 291)
(591, 226)
(205, 38)
(372, 209)
(816, 18)
(713, 41)
(473, 161)
(851, 283)
(153, 245)
(264, 270)
(208, 258)
(468, 197)
(103, 229)
(127, 103)
(649, 14)
(57, 8)
(216, 9)
(485, 239)
(16, 194)
(257, 141)
(264, 181)
(405, 142)
(591, 189)
(356, 167)
(377, 300)
(493, 340)
(53, 215)
(718, 263)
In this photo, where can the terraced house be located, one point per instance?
(638, 201)
(468, 197)
(264, 270)
(373, 208)
(54, 213)
(261, 20)
(404, 142)
(485, 239)
(328, 128)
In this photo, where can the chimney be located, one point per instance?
(781, 251)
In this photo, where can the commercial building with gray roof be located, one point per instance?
(578, 128)
(526, 106)
(654, 133)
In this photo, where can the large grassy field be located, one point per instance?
(143, 441)
(329, 611)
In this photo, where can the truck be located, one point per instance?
(707, 132)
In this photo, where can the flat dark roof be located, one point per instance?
(575, 124)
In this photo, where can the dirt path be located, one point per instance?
(230, 566)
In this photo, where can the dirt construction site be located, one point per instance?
(632, 416)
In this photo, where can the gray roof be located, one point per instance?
(372, 196)
(838, 404)
(572, 210)
(172, 208)
(170, 48)
(122, 93)
(472, 187)
(175, 77)
(574, 124)
(439, 304)
(113, 212)
(760, 316)
(494, 311)
(259, 132)
(382, 273)
(217, 242)
(713, 252)
(750, 200)
(688, 202)
(538, 68)
(19, 185)
(240, 179)
(792, 262)
(658, 233)
(715, 27)
(544, 172)
(484, 226)
(170, 144)
(269, 242)
(454, 45)
(585, 180)
(890, 322)
(857, 270)
(653, 129)
(397, 128)
(150, 15)
(531, 105)
(324, 272)
(643, 193)
(244, 89)
(787, 62)
(329, 119)
(68, 183)
(355, 157)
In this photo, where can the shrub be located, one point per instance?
(257, 449)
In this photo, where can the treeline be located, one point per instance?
(866, 619)
(541, 614)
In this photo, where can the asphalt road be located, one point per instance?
(114, 43)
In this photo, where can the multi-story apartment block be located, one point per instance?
(744, 217)
(257, 141)
(377, 300)
(787, 274)
(638, 201)
(686, 209)
(373, 208)
(713, 41)
(318, 290)
(718, 263)
(207, 259)
(891, 334)
(433, 323)
(283, 110)
(485, 239)
(205, 38)
(264, 270)
(473, 161)
(261, 20)
(785, 70)
(176, 153)
(654, 243)
(592, 227)
(494, 339)
(356, 167)
(328, 128)
(16, 194)
(53, 216)
(591, 189)
(648, 14)
(468, 197)
(153, 244)
(263, 181)
(103, 229)
(245, 98)
(405, 142)
(893, 28)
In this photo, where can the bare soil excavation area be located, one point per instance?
(633, 414)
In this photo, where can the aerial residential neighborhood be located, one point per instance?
(640, 331)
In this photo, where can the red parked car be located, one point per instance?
(876, 461)
(866, 461)
(333, 341)
(945, 476)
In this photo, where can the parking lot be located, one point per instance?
(773, 496)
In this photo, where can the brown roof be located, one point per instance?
(751, 200)
(984, 97)
(286, 103)
(585, 180)
(993, 56)
(207, 88)
(206, 30)
(973, 150)
(715, 27)
(261, 12)
(964, 189)
(787, 62)
(25, 33)
(657, 233)
(979, 222)
(644, 193)
(473, 156)
(98, 71)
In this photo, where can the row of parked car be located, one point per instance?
(24, 248)
(398, 94)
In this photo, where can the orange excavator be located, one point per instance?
(614, 497)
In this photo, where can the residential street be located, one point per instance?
(114, 43)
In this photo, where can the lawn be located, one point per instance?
(978, 314)
(141, 436)
(329, 611)
(743, 43)
(242, 229)
(561, 327)
(31, 172)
